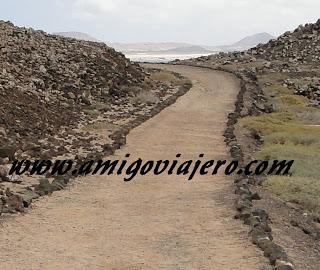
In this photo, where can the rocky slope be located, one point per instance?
(66, 98)
(43, 76)
(298, 46)
(77, 35)
(302, 45)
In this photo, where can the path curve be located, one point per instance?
(152, 222)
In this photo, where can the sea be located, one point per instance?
(160, 58)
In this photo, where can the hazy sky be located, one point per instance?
(195, 21)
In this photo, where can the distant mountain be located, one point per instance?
(247, 42)
(167, 51)
(147, 46)
(185, 48)
(254, 40)
(77, 35)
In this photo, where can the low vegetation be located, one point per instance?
(291, 132)
(170, 78)
(146, 97)
(301, 190)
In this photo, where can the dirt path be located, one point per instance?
(153, 222)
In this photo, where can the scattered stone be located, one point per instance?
(3, 173)
(12, 202)
(28, 196)
(44, 187)
(8, 152)
(283, 265)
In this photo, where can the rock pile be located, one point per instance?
(45, 80)
(308, 87)
(300, 46)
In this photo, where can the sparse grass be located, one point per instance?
(96, 126)
(146, 97)
(304, 136)
(147, 84)
(101, 128)
(163, 76)
(288, 140)
(170, 78)
(289, 100)
(301, 190)
(283, 123)
(268, 123)
(92, 112)
(99, 106)
(278, 89)
(306, 157)
(290, 133)
(308, 115)
(95, 109)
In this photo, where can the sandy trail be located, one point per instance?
(153, 222)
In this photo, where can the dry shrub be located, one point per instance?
(146, 97)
